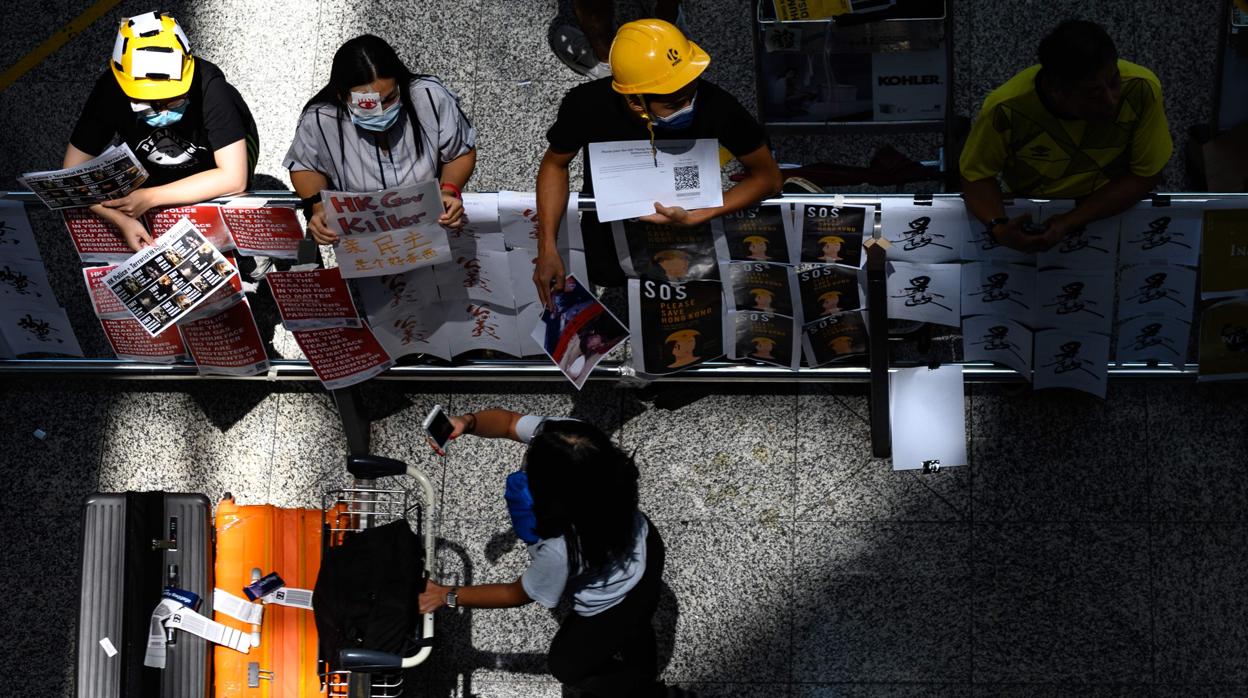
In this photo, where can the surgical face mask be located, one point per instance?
(677, 120)
(166, 117)
(367, 112)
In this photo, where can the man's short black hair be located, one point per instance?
(1075, 49)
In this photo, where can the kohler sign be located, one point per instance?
(908, 85)
(898, 80)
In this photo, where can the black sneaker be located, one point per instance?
(572, 47)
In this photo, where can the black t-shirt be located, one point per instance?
(595, 113)
(216, 117)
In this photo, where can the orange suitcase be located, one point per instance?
(268, 539)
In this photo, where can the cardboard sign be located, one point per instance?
(269, 231)
(312, 300)
(95, 239)
(130, 340)
(205, 217)
(389, 231)
(343, 356)
(227, 343)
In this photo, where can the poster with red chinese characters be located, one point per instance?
(130, 341)
(103, 301)
(268, 231)
(206, 217)
(478, 326)
(343, 356)
(227, 343)
(389, 231)
(312, 300)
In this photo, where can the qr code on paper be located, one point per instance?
(686, 178)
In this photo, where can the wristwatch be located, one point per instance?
(452, 598)
(999, 220)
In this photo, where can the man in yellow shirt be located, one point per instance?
(1083, 124)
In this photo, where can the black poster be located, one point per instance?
(757, 234)
(827, 290)
(770, 339)
(766, 288)
(675, 326)
(833, 234)
(666, 252)
(835, 337)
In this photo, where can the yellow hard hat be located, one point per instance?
(830, 295)
(664, 255)
(762, 340)
(831, 238)
(761, 292)
(680, 335)
(152, 58)
(751, 239)
(650, 56)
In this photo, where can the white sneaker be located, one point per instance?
(601, 70)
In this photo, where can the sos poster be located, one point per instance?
(765, 338)
(675, 326)
(831, 234)
(760, 287)
(828, 289)
(835, 337)
(667, 252)
(757, 233)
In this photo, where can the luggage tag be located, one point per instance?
(264, 586)
(290, 596)
(237, 607)
(172, 599)
(212, 631)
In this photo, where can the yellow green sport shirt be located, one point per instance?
(1043, 156)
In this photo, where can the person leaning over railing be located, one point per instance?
(1083, 124)
(189, 128)
(574, 502)
(655, 92)
(377, 125)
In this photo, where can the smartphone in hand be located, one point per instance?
(438, 426)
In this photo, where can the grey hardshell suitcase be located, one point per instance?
(133, 545)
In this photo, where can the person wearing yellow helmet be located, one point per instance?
(655, 91)
(189, 127)
(1083, 124)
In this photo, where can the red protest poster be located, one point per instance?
(271, 232)
(205, 217)
(130, 341)
(95, 239)
(227, 343)
(343, 356)
(310, 300)
(103, 301)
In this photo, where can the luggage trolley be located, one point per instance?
(361, 672)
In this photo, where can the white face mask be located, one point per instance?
(365, 104)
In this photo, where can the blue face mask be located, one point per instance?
(167, 117)
(380, 122)
(678, 119)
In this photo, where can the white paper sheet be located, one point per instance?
(387, 232)
(630, 176)
(1166, 233)
(29, 329)
(26, 282)
(928, 415)
(1076, 360)
(1075, 300)
(474, 326)
(484, 277)
(412, 329)
(980, 247)
(925, 292)
(1153, 337)
(998, 339)
(1094, 246)
(931, 232)
(992, 288)
(17, 240)
(1157, 288)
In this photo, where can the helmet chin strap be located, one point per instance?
(645, 116)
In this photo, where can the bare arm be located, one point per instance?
(227, 178)
(309, 183)
(1120, 194)
(552, 203)
(762, 179)
(984, 201)
(456, 173)
(132, 230)
(476, 596)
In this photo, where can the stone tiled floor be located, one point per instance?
(1090, 549)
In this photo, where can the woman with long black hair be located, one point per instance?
(574, 501)
(377, 125)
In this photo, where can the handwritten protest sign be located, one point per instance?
(389, 231)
